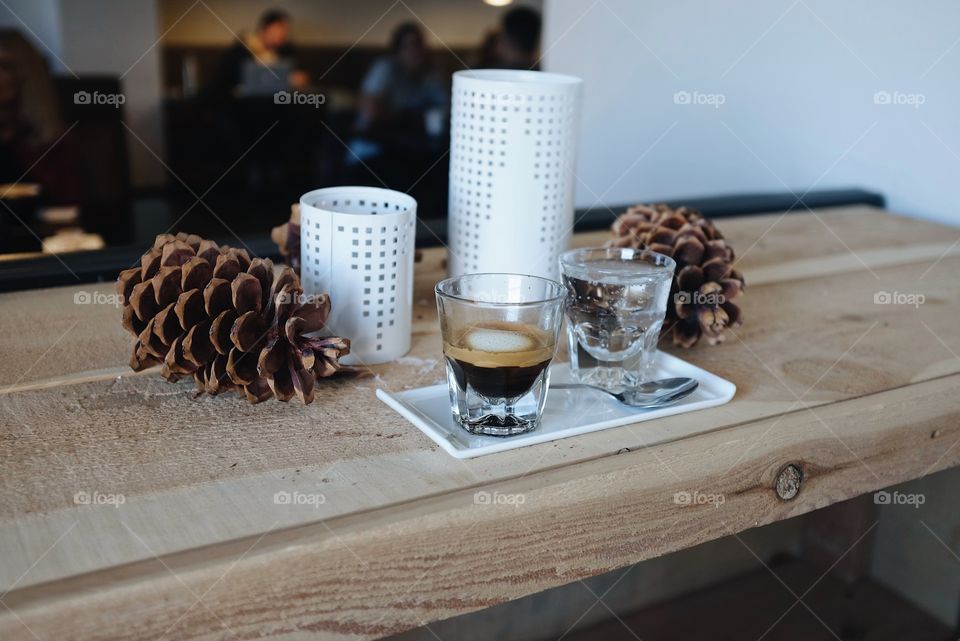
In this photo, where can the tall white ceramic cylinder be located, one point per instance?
(357, 245)
(513, 139)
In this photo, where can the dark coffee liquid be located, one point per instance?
(496, 382)
(499, 359)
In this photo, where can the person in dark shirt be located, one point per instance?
(262, 62)
(516, 44)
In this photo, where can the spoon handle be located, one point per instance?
(578, 386)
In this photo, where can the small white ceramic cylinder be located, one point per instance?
(357, 245)
(513, 138)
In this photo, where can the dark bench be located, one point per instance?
(49, 271)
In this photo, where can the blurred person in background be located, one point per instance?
(401, 88)
(485, 56)
(246, 93)
(35, 146)
(401, 121)
(403, 101)
(262, 62)
(516, 44)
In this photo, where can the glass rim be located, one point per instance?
(557, 287)
(566, 258)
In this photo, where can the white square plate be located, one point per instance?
(567, 412)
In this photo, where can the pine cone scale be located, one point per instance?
(248, 331)
(197, 346)
(220, 329)
(190, 308)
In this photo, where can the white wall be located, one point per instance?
(798, 79)
(332, 22)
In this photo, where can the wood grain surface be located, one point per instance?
(388, 535)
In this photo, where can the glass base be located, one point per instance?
(613, 376)
(479, 414)
(495, 426)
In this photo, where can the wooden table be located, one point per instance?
(856, 395)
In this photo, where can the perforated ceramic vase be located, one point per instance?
(513, 138)
(357, 245)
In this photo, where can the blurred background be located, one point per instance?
(124, 119)
(129, 119)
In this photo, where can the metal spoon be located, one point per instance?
(646, 395)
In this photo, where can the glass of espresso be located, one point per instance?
(499, 336)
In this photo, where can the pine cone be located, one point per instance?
(287, 238)
(210, 312)
(704, 283)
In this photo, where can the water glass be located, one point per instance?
(615, 304)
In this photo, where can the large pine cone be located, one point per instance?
(704, 283)
(213, 313)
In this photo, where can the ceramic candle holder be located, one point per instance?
(513, 138)
(357, 245)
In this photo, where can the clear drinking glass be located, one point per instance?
(615, 304)
(499, 336)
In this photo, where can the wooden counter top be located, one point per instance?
(857, 395)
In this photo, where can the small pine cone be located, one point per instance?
(287, 238)
(704, 283)
(203, 310)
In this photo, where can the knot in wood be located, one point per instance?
(788, 482)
